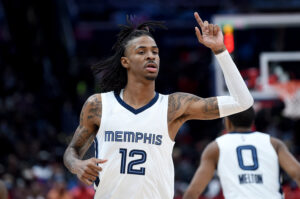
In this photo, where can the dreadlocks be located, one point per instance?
(109, 73)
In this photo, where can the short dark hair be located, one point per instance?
(243, 119)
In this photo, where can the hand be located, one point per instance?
(88, 170)
(211, 36)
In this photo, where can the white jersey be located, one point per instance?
(138, 148)
(248, 166)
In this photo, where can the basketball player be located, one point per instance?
(247, 162)
(133, 127)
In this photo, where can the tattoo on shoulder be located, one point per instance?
(95, 109)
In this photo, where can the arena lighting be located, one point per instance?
(228, 37)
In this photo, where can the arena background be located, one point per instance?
(46, 51)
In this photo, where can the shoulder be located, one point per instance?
(277, 143)
(92, 108)
(211, 152)
(94, 97)
(92, 102)
(212, 148)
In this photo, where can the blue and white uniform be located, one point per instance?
(138, 148)
(248, 166)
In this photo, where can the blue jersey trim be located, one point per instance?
(246, 132)
(139, 110)
(96, 146)
(96, 149)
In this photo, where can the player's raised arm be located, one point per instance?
(240, 98)
(183, 106)
(286, 160)
(86, 170)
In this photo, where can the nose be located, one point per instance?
(150, 56)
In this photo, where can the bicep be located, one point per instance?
(203, 108)
(188, 106)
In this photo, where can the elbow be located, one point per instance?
(65, 157)
(247, 103)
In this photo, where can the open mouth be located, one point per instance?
(151, 67)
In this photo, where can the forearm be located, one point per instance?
(199, 182)
(240, 98)
(189, 194)
(71, 158)
(297, 180)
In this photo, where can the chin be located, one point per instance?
(152, 78)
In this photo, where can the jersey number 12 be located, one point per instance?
(130, 169)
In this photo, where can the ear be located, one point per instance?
(125, 62)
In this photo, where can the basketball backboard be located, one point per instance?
(264, 49)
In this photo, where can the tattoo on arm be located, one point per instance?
(85, 133)
(179, 103)
(176, 101)
(211, 108)
(96, 109)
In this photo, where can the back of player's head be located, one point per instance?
(110, 74)
(243, 119)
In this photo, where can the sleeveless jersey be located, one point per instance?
(138, 148)
(248, 166)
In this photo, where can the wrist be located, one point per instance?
(75, 165)
(219, 50)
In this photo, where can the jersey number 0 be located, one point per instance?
(130, 169)
(239, 151)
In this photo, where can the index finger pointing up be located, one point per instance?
(198, 19)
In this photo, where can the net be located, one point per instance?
(289, 93)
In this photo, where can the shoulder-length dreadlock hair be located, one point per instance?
(109, 73)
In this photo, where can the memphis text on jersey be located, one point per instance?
(136, 137)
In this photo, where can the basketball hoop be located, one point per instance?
(289, 93)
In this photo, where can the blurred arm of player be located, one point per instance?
(86, 170)
(286, 160)
(184, 106)
(205, 171)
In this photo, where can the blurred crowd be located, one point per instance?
(46, 52)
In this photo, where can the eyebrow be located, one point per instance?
(145, 47)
